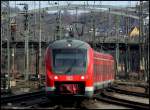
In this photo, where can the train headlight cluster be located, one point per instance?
(82, 77)
(69, 45)
(55, 77)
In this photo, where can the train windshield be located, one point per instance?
(69, 61)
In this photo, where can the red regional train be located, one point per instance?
(74, 68)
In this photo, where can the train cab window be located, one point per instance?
(69, 61)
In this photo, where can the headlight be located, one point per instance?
(82, 77)
(56, 77)
(69, 45)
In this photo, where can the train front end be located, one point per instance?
(69, 68)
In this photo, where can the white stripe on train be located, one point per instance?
(90, 88)
(104, 82)
(50, 88)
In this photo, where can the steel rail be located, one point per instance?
(123, 91)
(19, 97)
(131, 104)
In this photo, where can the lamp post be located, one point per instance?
(8, 47)
(39, 74)
(117, 47)
(26, 42)
(26, 31)
(126, 59)
(8, 63)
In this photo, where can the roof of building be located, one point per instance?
(134, 32)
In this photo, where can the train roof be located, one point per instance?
(103, 55)
(69, 43)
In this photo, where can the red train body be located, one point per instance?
(74, 68)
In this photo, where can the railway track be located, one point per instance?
(139, 84)
(123, 91)
(26, 96)
(39, 100)
(34, 104)
(109, 98)
(25, 103)
(70, 104)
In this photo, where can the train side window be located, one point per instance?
(95, 70)
(112, 69)
(108, 69)
(103, 68)
(98, 68)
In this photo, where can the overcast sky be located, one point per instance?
(35, 4)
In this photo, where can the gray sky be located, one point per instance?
(52, 3)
